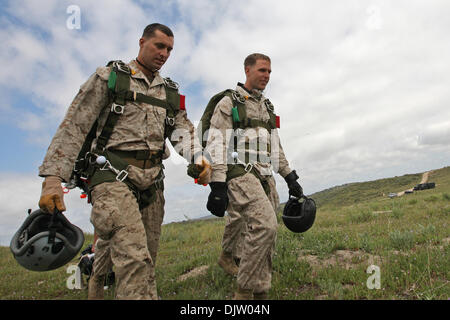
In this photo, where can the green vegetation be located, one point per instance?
(357, 192)
(357, 225)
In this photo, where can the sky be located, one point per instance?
(361, 86)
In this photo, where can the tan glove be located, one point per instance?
(52, 195)
(205, 171)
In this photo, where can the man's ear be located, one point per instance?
(246, 70)
(141, 42)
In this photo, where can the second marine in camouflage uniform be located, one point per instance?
(251, 197)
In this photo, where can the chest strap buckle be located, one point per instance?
(170, 121)
(122, 67)
(117, 108)
(236, 96)
(171, 84)
(120, 175)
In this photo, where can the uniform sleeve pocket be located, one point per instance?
(222, 116)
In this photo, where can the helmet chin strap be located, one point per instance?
(145, 67)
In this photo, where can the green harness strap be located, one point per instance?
(239, 114)
(119, 89)
(241, 121)
(237, 170)
(144, 197)
(118, 85)
(115, 168)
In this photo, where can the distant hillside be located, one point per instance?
(351, 193)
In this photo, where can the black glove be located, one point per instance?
(295, 189)
(217, 199)
(193, 171)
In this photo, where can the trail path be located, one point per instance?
(425, 177)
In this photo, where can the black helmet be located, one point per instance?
(298, 216)
(45, 242)
(86, 266)
(86, 263)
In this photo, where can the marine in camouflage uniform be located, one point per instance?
(250, 199)
(132, 232)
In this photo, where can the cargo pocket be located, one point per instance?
(103, 210)
(143, 178)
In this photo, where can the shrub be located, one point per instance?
(402, 240)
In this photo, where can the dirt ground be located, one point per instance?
(193, 273)
(345, 258)
(425, 177)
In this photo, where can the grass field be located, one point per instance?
(360, 235)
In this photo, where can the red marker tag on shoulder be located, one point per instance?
(182, 102)
(277, 120)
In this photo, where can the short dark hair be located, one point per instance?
(251, 59)
(149, 30)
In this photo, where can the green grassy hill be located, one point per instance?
(364, 191)
(357, 226)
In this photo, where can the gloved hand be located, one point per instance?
(218, 198)
(52, 195)
(295, 189)
(205, 171)
(200, 169)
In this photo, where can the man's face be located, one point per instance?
(258, 75)
(155, 51)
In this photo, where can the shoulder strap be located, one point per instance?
(174, 102)
(119, 90)
(118, 85)
(274, 121)
(238, 111)
(245, 122)
(205, 120)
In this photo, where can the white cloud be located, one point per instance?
(435, 134)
